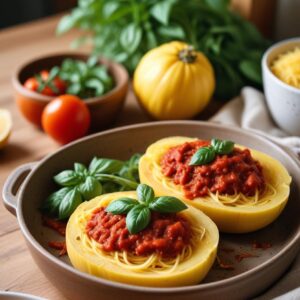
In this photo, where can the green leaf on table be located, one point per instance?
(69, 203)
(121, 206)
(138, 218)
(167, 204)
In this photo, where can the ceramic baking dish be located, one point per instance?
(30, 184)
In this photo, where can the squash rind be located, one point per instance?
(189, 272)
(228, 219)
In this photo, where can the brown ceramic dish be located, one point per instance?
(104, 109)
(249, 277)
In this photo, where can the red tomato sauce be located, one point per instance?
(235, 172)
(166, 235)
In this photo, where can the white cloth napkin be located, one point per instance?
(249, 111)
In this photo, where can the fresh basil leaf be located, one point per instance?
(252, 70)
(74, 88)
(222, 146)
(53, 73)
(167, 204)
(65, 24)
(51, 205)
(101, 73)
(138, 218)
(69, 203)
(92, 61)
(121, 206)
(145, 193)
(220, 5)
(105, 166)
(90, 188)
(161, 11)
(80, 168)
(97, 85)
(131, 37)
(151, 38)
(172, 31)
(203, 156)
(109, 8)
(127, 184)
(67, 178)
(80, 41)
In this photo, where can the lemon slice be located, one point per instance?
(5, 126)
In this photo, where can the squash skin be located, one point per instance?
(228, 219)
(168, 88)
(189, 272)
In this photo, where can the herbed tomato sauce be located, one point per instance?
(166, 235)
(232, 173)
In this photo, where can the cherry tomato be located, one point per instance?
(57, 82)
(59, 85)
(66, 118)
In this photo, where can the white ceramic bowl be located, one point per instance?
(283, 100)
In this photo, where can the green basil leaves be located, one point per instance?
(233, 45)
(139, 211)
(205, 155)
(84, 183)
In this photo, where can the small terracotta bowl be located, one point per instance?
(104, 109)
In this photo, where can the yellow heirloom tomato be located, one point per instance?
(230, 214)
(186, 269)
(174, 81)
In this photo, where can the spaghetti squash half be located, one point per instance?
(187, 268)
(234, 212)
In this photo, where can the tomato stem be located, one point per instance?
(188, 54)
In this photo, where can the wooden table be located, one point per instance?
(18, 272)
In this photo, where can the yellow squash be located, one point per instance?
(174, 82)
(232, 219)
(190, 271)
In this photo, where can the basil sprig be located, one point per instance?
(233, 45)
(205, 155)
(138, 211)
(84, 183)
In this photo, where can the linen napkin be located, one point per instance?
(250, 111)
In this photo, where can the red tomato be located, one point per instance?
(33, 85)
(57, 82)
(66, 118)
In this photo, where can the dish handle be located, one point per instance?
(12, 185)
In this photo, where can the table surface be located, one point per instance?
(18, 44)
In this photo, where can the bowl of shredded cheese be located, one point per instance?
(281, 77)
